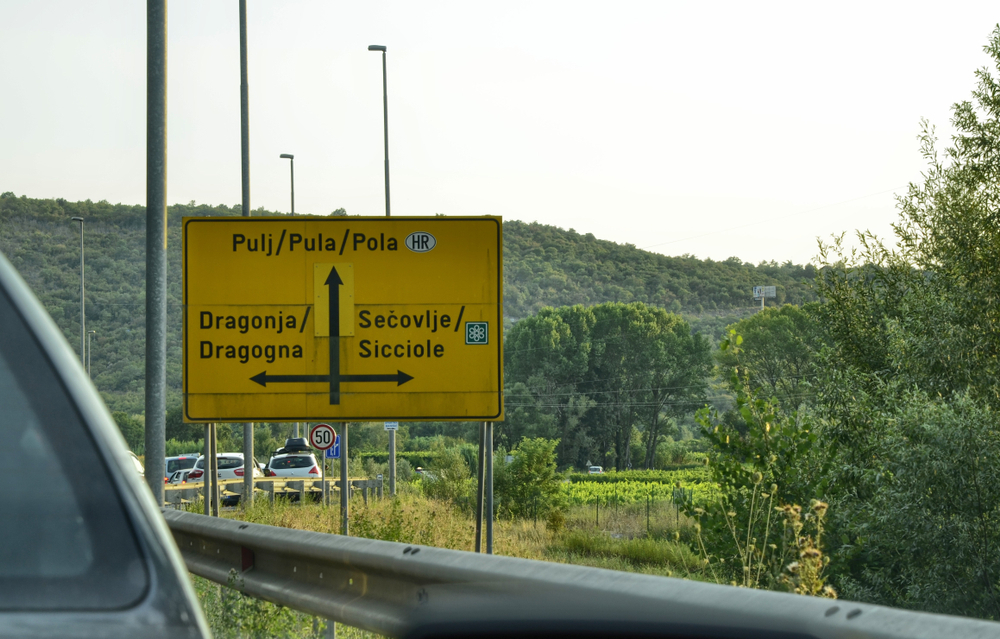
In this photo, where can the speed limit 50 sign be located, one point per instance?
(322, 436)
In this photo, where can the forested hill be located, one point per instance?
(544, 266)
(549, 266)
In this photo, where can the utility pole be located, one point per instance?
(248, 462)
(156, 243)
(83, 303)
(385, 137)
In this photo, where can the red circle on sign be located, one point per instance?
(322, 436)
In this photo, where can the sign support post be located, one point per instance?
(205, 482)
(345, 489)
(479, 488)
(488, 452)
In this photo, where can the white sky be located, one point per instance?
(717, 129)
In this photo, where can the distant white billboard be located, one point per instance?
(760, 292)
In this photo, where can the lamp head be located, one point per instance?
(287, 156)
(376, 47)
(77, 219)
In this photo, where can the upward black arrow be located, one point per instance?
(333, 282)
(335, 377)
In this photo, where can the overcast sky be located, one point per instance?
(716, 129)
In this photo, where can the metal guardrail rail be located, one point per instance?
(269, 487)
(408, 590)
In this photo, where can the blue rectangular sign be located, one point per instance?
(333, 452)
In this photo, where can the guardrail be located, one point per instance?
(409, 590)
(180, 494)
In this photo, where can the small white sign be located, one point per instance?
(392, 425)
(379, 477)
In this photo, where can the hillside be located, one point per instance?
(543, 266)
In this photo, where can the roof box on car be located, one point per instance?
(295, 445)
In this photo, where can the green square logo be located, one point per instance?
(477, 332)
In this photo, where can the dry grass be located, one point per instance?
(619, 543)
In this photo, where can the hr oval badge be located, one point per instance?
(420, 242)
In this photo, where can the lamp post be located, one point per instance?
(385, 124)
(90, 349)
(83, 310)
(291, 166)
(385, 121)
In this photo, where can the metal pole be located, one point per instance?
(83, 312)
(322, 467)
(214, 461)
(207, 468)
(385, 121)
(345, 489)
(392, 462)
(479, 488)
(489, 487)
(247, 499)
(291, 165)
(156, 241)
(90, 348)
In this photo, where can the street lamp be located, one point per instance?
(385, 120)
(83, 312)
(291, 165)
(90, 349)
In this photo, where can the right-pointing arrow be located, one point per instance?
(400, 378)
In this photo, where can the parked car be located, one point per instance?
(595, 470)
(230, 467)
(137, 464)
(294, 459)
(173, 465)
(298, 464)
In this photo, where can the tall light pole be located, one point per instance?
(385, 124)
(90, 349)
(83, 309)
(156, 242)
(291, 166)
(385, 121)
(247, 498)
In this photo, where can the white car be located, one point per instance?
(138, 464)
(230, 467)
(175, 469)
(595, 470)
(299, 464)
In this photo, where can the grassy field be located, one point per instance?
(617, 537)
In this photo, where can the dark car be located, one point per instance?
(84, 549)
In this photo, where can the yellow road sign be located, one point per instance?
(415, 304)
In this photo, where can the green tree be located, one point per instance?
(644, 363)
(177, 429)
(450, 479)
(132, 430)
(910, 387)
(529, 485)
(779, 353)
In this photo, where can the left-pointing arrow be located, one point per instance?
(264, 378)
